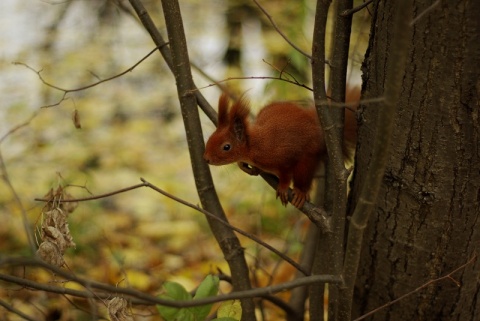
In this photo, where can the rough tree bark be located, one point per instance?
(427, 218)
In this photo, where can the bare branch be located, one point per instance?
(280, 31)
(330, 103)
(38, 72)
(236, 229)
(330, 247)
(157, 38)
(195, 207)
(6, 178)
(255, 77)
(16, 311)
(356, 9)
(421, 14)
(141, 297)
(95, 197)
(63, 98)
(282, 71)
(17, 127)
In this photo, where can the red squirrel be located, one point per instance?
(285, 140)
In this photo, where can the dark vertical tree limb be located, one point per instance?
(395, 71)
(332, 245)
(320, 95)
(329, 256)
(227, 240)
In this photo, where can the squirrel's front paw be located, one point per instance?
(283, 194)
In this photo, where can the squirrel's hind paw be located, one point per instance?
(299, 198)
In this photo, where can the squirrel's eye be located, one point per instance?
(227, 147)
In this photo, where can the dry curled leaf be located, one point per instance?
(76, 119)
(117, 309)
(69, 207)
(49, 253)
(54, 232)
(55, 229)
(55, 200)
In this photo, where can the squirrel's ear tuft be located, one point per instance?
(240, 109)
(239, 118)
(223, 105)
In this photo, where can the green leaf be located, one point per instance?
(175, 292)
(230, 310)
(208, 287)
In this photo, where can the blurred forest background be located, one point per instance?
(131, 128)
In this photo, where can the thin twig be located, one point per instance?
(420, 15)
(38, 72)
(63, 98)
(94, 197)
(255, 77)
(6, 178)
(16, 311)
(236, 229)
(144, 298)
(157, 38)
(17, 127)
(282, 71)
(356, 9)
(195, 207)
(280, 31)
(448, 276)
(331, 103)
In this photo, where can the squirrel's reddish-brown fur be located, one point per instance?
(285, 140)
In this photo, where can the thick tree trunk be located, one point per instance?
(427, 219)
